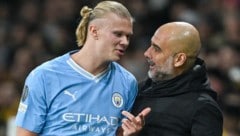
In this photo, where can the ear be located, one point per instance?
(93, 31)
(180, 59)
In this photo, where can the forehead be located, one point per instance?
(160, 38)
(112, 21)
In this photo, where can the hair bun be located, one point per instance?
(85, 11)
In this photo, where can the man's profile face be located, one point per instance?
(113, 36)
(159, 56)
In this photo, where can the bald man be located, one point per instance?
(177, 90)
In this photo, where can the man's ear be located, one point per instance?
(93, 31)
(180, 59)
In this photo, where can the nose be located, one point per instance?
(147, 53)
(125, 40)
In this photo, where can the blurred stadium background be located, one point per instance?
(34, 31)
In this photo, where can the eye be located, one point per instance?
(128, 37)
(156, 48)
(122, 34)
(117, 34)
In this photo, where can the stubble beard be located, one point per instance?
(164, 72)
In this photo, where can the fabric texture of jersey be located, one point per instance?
(61, 98)
(183, 106)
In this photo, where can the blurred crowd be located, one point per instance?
(34, 31)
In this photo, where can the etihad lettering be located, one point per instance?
(89, 118)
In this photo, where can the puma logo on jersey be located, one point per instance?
(70, 94)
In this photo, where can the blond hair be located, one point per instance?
(102, 8)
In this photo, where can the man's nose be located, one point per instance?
(147, 53)
(125, 40)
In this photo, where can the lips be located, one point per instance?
(151, 63)
(120, 51)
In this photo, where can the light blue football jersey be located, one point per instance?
(62, 99)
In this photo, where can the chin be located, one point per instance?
(116, 58)
(154, 75)
(113, 60)
(151, 74)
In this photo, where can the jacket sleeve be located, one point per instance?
(207, 120)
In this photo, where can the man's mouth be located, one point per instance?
(151, 63)
(120, 51)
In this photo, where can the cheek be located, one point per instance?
(111, 39)
(159, 60)
(107, 36)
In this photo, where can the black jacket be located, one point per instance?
(183, 106)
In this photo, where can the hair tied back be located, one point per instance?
(85, 12)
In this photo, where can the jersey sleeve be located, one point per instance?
(32, 107)
(132, 94)
(207, 121)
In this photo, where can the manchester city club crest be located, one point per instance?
(117, 100)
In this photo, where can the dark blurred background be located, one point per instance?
(34, 31)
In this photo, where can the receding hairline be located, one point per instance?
(183, 34)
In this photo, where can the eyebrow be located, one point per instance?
(155, 46)
(120, 31)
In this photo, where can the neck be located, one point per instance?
(89, 62)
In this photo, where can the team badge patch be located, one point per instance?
(117, 100)
(22, 107)
(24, 93)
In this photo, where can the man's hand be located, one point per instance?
(132, 125)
